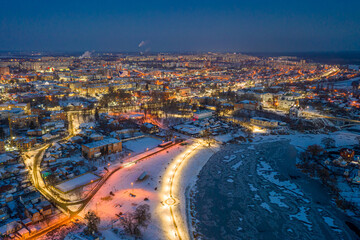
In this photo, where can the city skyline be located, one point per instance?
(179, 120)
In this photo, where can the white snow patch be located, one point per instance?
(276, 198)
(329, 221)
(252, 188)
(266, 206)
(229, 158)
(302, 217)
(265, 170)
(237, 165)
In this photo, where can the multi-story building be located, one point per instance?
(246, 104)
(24, 121)
(264, 122)
(58, 115)
(9, 106)
(103, 147)
(23, 143)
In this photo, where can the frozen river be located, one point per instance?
(255, 192)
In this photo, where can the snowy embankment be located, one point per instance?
(186, 181)
(107, 205)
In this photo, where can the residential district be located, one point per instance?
(69, 124)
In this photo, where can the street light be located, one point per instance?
(132, 188)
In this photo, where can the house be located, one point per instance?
(24, 233)
(96, 137)
(246, 104)
(33, 214)
(347, 154)
(44, 207)
(9, 106)
(149, 128)
(264, 122)
(25, 121)
(102, 147)
(23, 143)
(7, 159)
(34, 132)
(201, 114)
(58, 115)
(10, 227)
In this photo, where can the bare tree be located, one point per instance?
(169, 135)
(129, 224)
(207, 136)
(92, 223)
(314, 150)
(328, 142)
(132, 222)
(142, 215)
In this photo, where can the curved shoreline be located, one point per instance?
(189, 184)
(186, 169)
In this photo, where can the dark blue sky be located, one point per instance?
(171, 25)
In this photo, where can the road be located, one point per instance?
(64, 205)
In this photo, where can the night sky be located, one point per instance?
(242, 26)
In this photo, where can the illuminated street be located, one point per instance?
(181, 173)
(151, 120)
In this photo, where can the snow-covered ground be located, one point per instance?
(106, 206)
(302, 141)
(184, 180)
(345, 84)
(141, 144)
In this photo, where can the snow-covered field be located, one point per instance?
(106, 206)
(141, 144)
(345, 84)
(301, 141)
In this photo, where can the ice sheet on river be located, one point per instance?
(265, 170)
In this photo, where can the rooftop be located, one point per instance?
(103, 142)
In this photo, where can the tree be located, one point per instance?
(2, 133)
(169, 135)
(51, 179)
(132, 222)
(328, 142)
(97, 114)
(314, 150)
(92, 223)
(358, 140)
(207, 136)
(324, 175)
(32, 125)
(142, 215)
